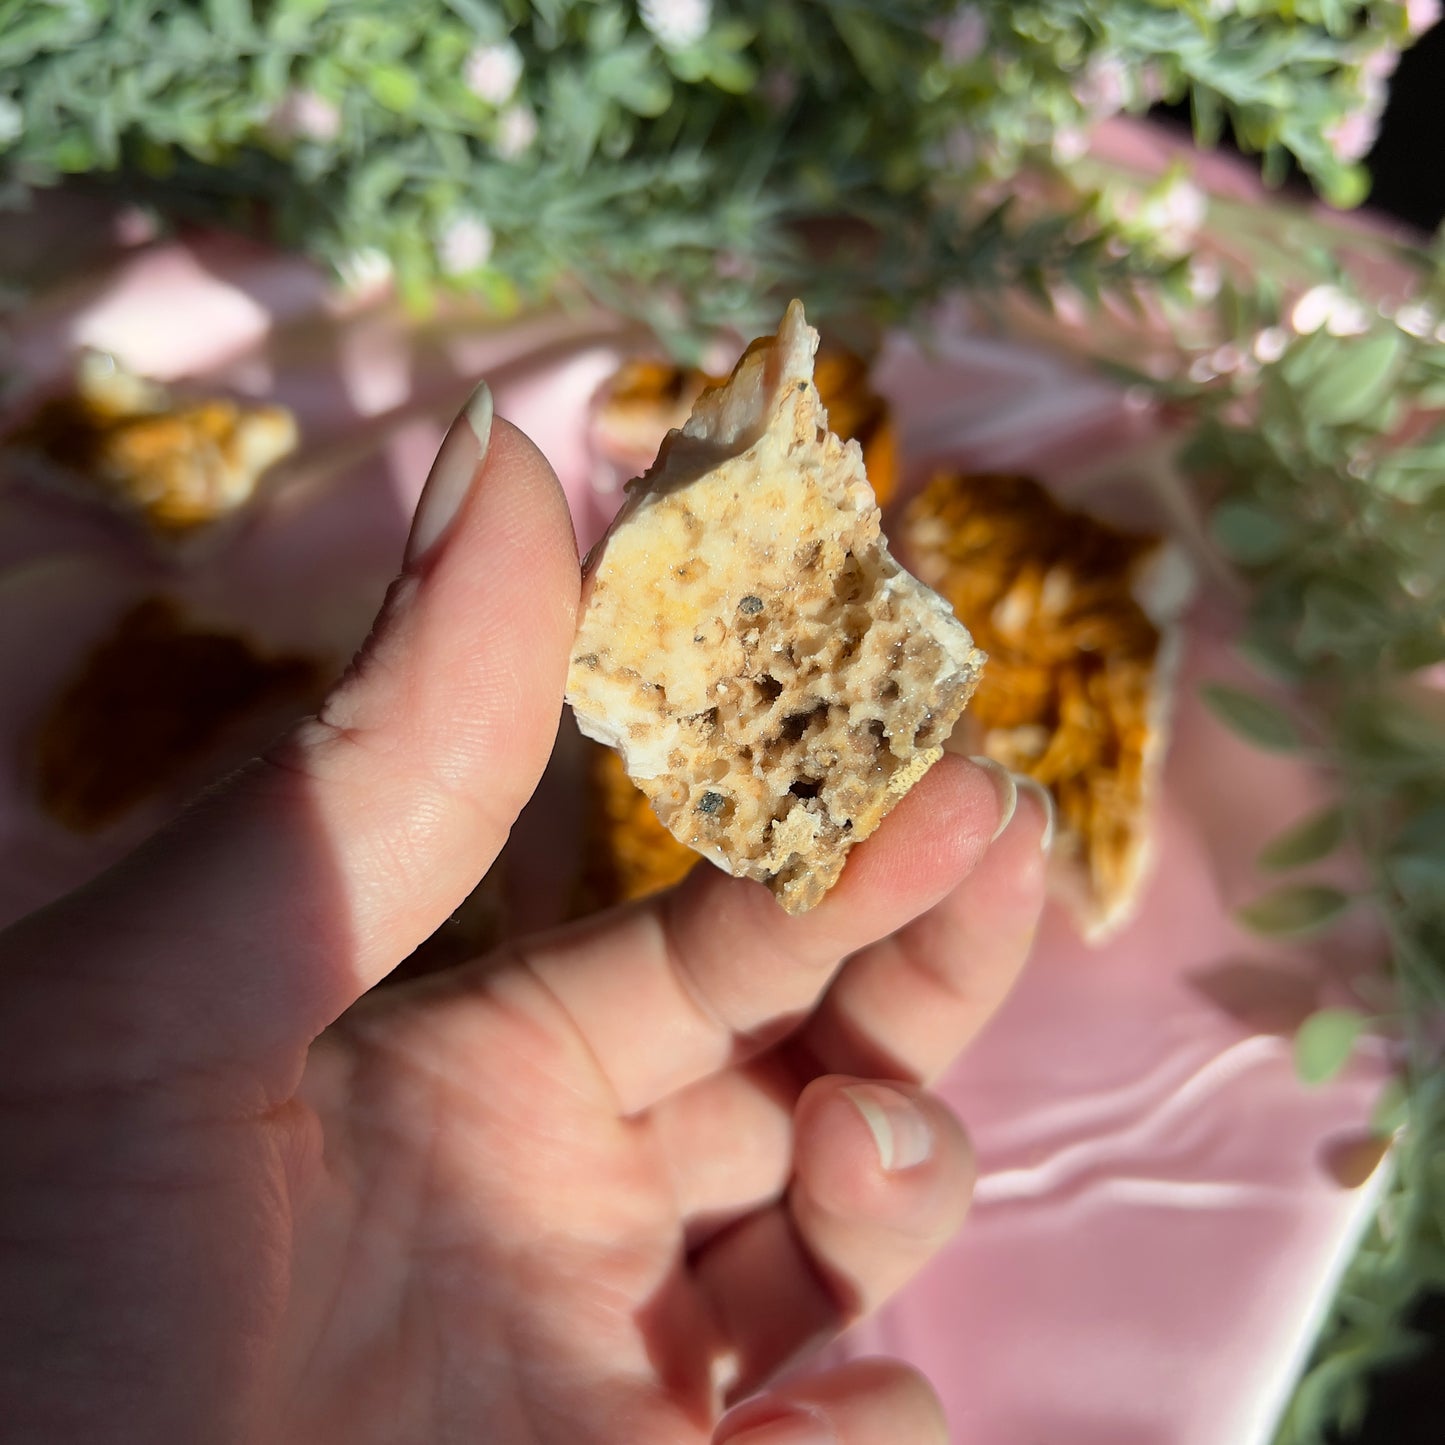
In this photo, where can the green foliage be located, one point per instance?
(1307, 842)
(1325, 1041)
(601, 152)
(1326, 452)
(1263, 723)
(1295, 909)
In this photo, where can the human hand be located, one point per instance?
(576, 1193)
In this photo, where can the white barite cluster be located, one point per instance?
(774, 681)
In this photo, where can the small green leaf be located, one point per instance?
(1424, 834)
(1308, 357)
(1417, 858)
(1357, 379)
(1316, 837)
(1417, 726)
(690, 65)
(631, 76)
(1294, 910)
(1263, 723)
(1410, 653)
(1272, 656)
(291, 20)
(651, 96)
(73, 152)
(606, 27)
(394, 87)
(1392, 1108)
(1248, 534)
(230, 19)
(1324, 1043)
(732, 72)
(1347, 188)
(1413, 472)
(731, 35)
(1339, 616)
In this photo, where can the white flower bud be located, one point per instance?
(516, 131)
(1328, 307)
(676, 24)
(302, 114)
(1422, 15)
(1270, 344)
(493, 72)
(1415, 319)
(466, 244)
(12, 122)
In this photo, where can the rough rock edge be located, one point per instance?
(1163, 584)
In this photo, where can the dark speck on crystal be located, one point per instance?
(750, 606)
(710, 802)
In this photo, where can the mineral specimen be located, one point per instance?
(176, 467)
(774, 681)
(1079, 621)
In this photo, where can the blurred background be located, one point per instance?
(1166, 265)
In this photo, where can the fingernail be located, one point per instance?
(1005, 787)
(463, 450)
(794, 1428)
(903, 1136)
(1046, 802)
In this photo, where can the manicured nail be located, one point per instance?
(903, 1136)
(463, 450)
(1005, 787)
(1046, 802)
(794, 1428)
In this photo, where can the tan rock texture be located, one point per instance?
(773, 680)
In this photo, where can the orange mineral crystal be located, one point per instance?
(150, 700)
(629, 852)
(1079, 652)
(174, 466)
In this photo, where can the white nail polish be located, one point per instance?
(463, 450)
(1046, 802)
(900, 1132)
(1006, 788)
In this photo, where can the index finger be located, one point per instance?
(714, 969)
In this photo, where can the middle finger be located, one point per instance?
(669, 991)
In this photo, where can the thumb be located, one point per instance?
(269, 907)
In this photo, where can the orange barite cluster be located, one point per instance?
(148, 701)
(1068, 691)
(174, 467)
(629, 853)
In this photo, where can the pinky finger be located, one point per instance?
(865, 1402)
